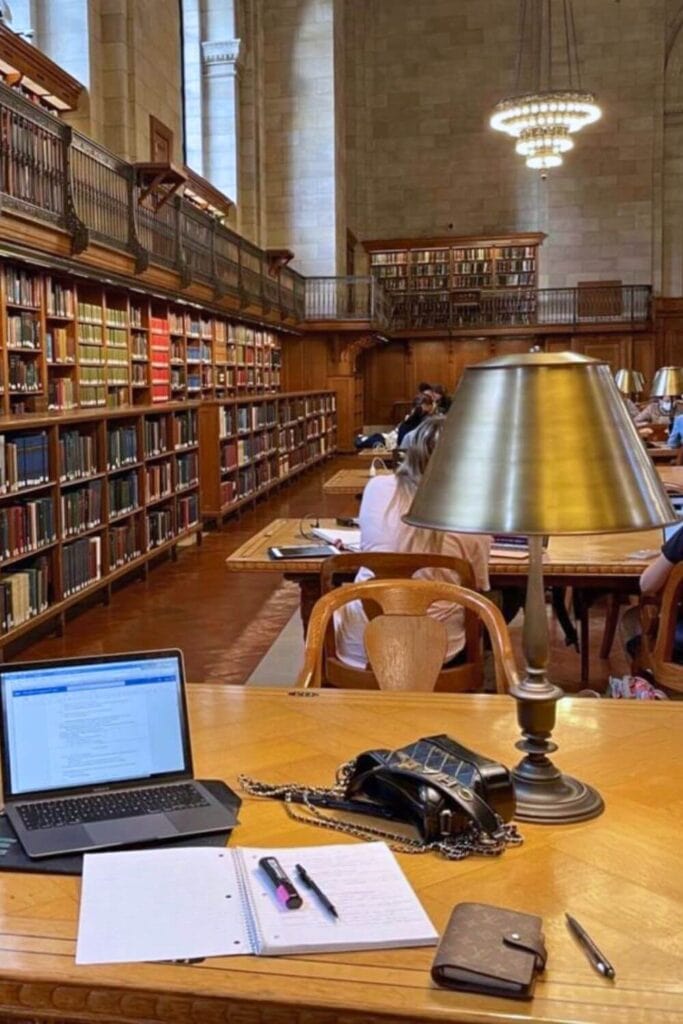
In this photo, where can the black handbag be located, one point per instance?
(457, 801)
(437, 785)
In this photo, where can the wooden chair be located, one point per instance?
(405, 646)
(659, 632)
(342, 568)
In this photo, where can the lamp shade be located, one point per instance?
(539, 443)
(629, 382)
(667, 382)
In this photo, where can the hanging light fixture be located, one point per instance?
(549, 104)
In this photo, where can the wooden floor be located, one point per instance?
(195, 604)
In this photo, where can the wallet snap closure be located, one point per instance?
(533, 945)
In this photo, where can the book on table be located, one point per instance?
(198, 902)
(349, 538)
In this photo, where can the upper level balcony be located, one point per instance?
(55, 176)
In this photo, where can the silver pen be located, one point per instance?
(597, 959)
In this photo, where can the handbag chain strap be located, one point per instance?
(470, 840)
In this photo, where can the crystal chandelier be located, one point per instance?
(549, 104)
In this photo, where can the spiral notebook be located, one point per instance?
(188, 903)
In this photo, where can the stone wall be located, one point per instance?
(422, 79)
(299, 105)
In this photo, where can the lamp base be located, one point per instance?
(556, 801)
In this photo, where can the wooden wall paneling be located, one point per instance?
(387, 379)
(345, 388)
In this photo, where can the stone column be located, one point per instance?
(221, 113)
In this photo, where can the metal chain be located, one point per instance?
(469, 841)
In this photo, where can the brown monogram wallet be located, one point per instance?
(491, 950)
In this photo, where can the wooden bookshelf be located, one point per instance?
(446, 281)
(248, 446)
(89, 496)
(73, 343)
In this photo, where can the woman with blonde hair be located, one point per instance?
(386, 499)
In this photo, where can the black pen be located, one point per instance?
(598, 960)
(308, 881)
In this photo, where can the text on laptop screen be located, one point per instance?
(86, 724)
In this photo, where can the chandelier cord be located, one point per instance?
(568, 50)
(577, 65)
(549, 74)
(520, 44)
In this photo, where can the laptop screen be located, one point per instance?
(87, 722)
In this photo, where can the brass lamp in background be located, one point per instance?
(629, 382)
(540, 443)
(668, 383)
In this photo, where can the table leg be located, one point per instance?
(309, 587)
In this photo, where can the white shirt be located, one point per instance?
(382, 529)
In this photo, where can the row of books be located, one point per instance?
(26, 526)
(159, 527)
(23, 374)
(24, 593)
(187, 469)
(59, 298)
(61, 393)
(76, 455)
(60, 346)
(81, 563)
(123, 544)
(22, 288)
(122, 446)
(23, 461)
(156, 435)
(124, 494)
(23, 331)
(159, 476)
(187, 509)
(81, 508)
(185, 428)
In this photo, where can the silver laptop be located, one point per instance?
(96, 753)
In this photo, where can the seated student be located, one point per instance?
(443, 401)
(408, 438)
(653, 579)
(656, 411)
(385, 500)
(415, 418)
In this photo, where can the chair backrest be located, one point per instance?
(666, 671)
(392, 566)
(405, 654)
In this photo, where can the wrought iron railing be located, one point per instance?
(524, 307)
(53, 174)
(346, 298)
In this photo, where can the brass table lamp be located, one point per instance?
(629, 382)
(668, 383)
(540, 444)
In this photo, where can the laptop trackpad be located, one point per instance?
(131, 830)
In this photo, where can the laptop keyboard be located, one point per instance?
(128, 803)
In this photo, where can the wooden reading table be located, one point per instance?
(619, 875)
(351, 481)
(589, 563)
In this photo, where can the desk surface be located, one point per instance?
(351, 481)
(619, 874)
(604, 554)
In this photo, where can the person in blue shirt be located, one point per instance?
(675, 439)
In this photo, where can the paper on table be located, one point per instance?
(376, 904)
(197, 902)
(349, 538)
(141, 905)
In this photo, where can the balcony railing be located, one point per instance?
(53, 174)
(346, 298)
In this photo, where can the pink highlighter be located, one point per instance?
(284, 887)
